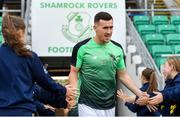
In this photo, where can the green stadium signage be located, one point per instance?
(78, 5)
(57, 25)
(60, 50)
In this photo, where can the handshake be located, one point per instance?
(144, 100)
(71, 94)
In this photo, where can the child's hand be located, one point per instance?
(122, 95)
(47, 106)
(156, 99)
(71, 103)
(70, 91)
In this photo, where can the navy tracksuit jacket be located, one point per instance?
(171, 97)
(17, 77)
(165, 106)
(43, 96)
(142, 110)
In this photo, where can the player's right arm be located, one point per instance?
(73, 76)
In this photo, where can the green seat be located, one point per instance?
(158, 50)
(0, 20)
(146, 29)
(166, 29)
(141, 20)
(1, 39)
(173, 39)
(178, 28)
(154, 39)
(159, 20)
(175, 19)
(176, 49)
(160, 61)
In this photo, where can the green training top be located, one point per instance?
(98, 65)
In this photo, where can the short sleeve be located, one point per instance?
(121, 63)
(77, 54)
(77, 57)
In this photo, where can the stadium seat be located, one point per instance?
(136, 59)
(177, 49)
(157, 6)
(175, 20)
(160, 61)
(141, 20)
(1, 39)
(146, 29)
(166, 29)
(159, 20)
(0, 20)
(154, 39)
(178, 28)
(131, 48)
(173, 39)
(158, 50)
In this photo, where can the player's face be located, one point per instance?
(104, 30)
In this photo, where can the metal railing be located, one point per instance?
(149, 5)
(28, 8)
(27, 18)
(150, 10)
(142, 50)
(22, 10)
(12, 10)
